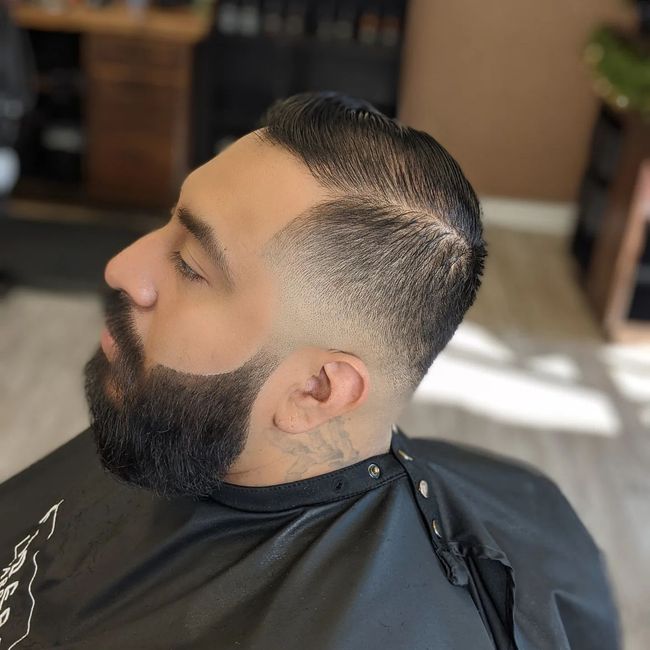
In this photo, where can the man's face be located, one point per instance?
(174, 389)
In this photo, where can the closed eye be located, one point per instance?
(184, 268)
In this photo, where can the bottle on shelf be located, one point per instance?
(325, 20)
(228, 17)
(346, 14)
(249, 18)
(368, 24)
(390, 25)
(272, 17)
(296, 18)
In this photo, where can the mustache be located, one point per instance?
(118, 313)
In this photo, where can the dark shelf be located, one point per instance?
(606, 237)
(307, 42)
(240, 76)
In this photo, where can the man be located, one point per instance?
(259, 348)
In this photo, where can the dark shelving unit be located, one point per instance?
(239, 76)
(50, 143)
(611, 243)
(601, 167)
(640, 301)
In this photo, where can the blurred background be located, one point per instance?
(105, 106)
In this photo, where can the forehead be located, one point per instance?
(249, 192)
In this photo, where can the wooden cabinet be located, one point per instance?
(138, 118)
(135, 87)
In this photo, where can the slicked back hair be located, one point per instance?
(395, 259)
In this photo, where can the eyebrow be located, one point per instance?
(204, 234)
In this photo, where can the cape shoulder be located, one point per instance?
(500, 509)
(73, 458)
(510, 495)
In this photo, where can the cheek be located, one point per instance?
(210, 337)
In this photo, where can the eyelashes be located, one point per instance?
(183, 268)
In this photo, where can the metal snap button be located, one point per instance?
(404, 455)
(423, 486)
(374, 470)
(436, 528)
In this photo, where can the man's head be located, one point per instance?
(307, 278)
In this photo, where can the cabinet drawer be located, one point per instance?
(134, 167)
(134, 107)
(129, 58)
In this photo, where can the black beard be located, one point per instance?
(174, 433)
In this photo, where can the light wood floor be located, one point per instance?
(528, 376)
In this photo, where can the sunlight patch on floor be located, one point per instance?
(482, 374)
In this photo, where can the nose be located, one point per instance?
(133, 270)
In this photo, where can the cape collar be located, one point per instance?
(340, 484)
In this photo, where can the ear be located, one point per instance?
(339, 387)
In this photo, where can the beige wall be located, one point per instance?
(501, 85)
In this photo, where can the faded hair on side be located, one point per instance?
(394, 260)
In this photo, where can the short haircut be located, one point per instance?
(396, 257)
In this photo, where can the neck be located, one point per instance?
(278, 457)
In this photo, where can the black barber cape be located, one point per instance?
(427, 547)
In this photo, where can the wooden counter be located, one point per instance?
(178, 25)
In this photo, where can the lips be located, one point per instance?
(108, 344)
